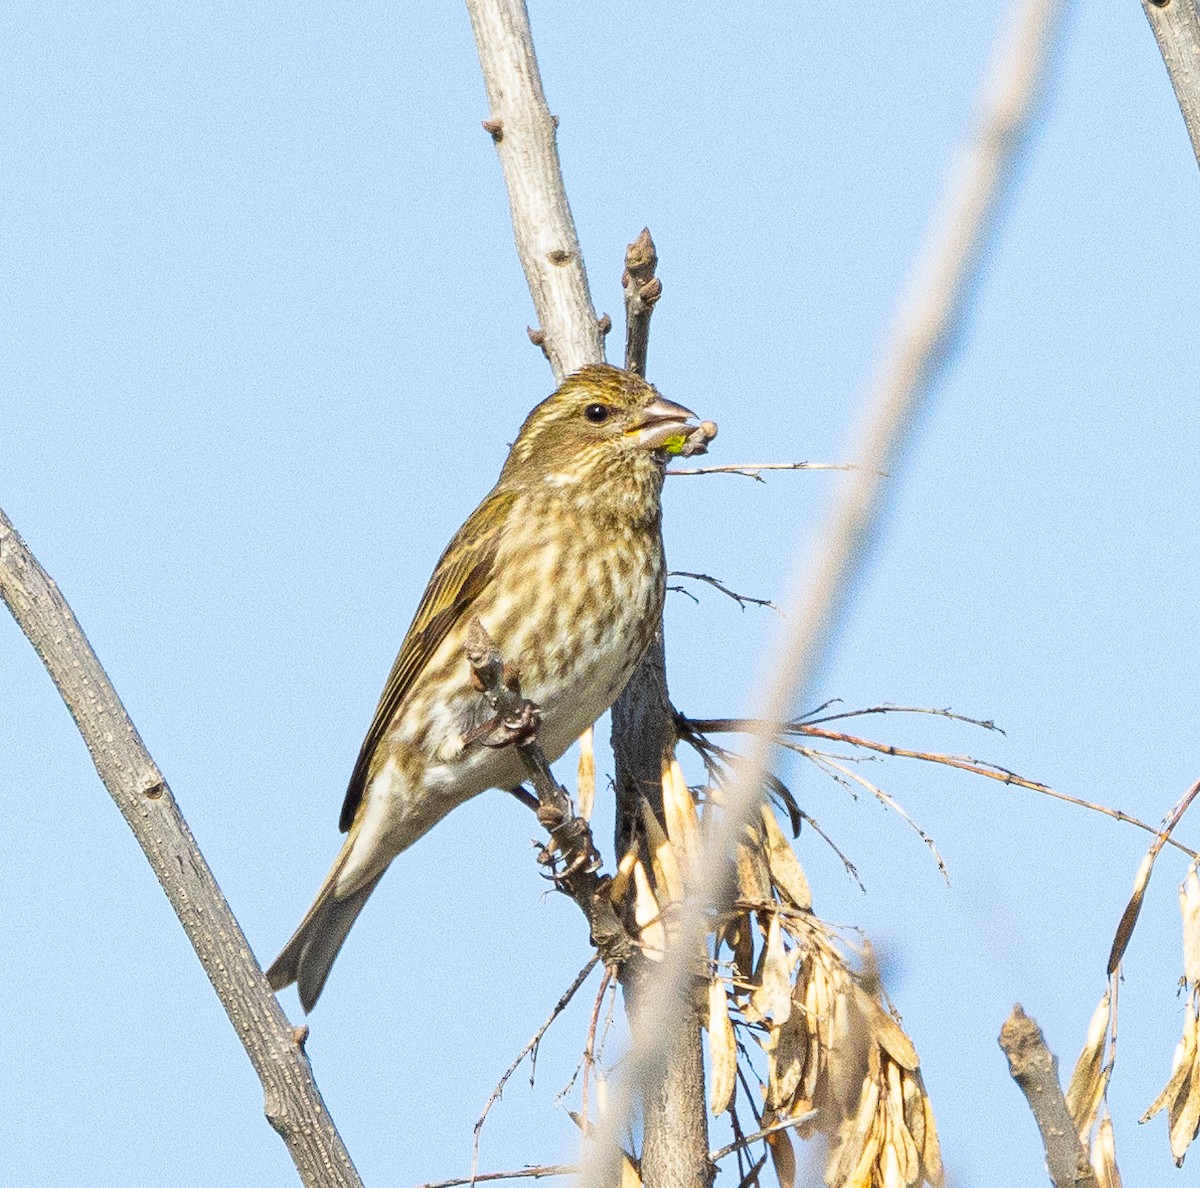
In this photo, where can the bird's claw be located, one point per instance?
(586, 861)
(505, 730)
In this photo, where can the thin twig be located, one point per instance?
(754, 469)
(523, 1173)
(786, 1124)
(589, 1049)
(930, 317)
(811, 720)
(293, 1102)
(743, 600)
(496, 1093)
(827, 761)
(990, 771)
(750, 1179)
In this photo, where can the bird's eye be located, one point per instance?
(597, 413)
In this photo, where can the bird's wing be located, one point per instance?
(460, 575)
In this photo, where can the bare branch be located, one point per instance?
(1035, 1070)
(746, 1140)
(754, 469)
(702, 726)
(523, 131)
(930, 316)
(1176, 25)
(675, 1125)
(642, 291)
(292, 1102)
(743, 600)
(496, 1093)
(523, 1173)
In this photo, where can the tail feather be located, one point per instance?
(308, 957)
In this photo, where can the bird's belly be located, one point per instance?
(569, 703)
(573, 663)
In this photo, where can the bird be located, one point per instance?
(562, 564)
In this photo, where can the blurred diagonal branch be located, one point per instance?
(1176, 25)
(929, 317)
(292, 1101)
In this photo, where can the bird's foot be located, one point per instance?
(508, 729)
(570, 839)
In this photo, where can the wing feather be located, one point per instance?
(463, 571)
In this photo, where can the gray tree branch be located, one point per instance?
(674, 1120)
(293, 1104)
(1176, 25)
(1035, 1071)
(675, 1148)
(523, 130)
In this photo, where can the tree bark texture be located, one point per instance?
(292, 1102)
(676, 1143)
(524, 133)
(1035, 1071)
(1176, 25)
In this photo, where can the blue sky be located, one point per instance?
(265, 346)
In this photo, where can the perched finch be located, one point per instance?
(563, 565)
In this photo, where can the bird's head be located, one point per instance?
(600, 421)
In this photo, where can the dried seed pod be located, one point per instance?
(786, 1062)
(742, 944)
(785, 870)
(648, 915)
(624, 876)
(886, 1031)
(1189, 906)
(753, 874)
(773, 997)
(1090, 1079)
(679, 812)
(585, 781)
(1104, 1156)
(722, 1048)
(1178, 1094)
(667, 882)
(783, 1157)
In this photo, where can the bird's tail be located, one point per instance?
(308, 957)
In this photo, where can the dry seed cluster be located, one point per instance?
(837, 1061)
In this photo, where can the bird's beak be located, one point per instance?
(667, 426)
